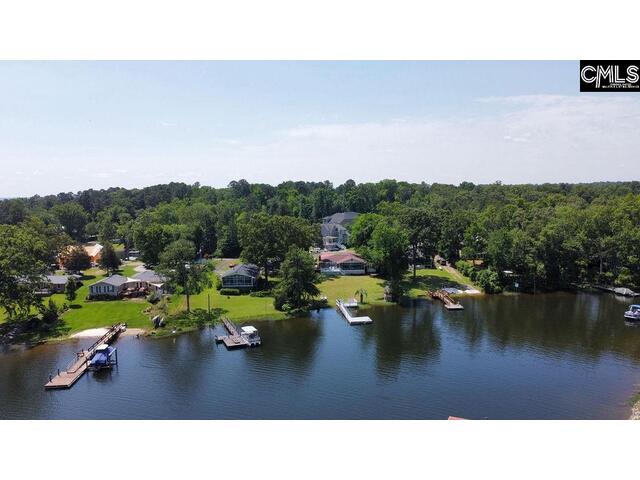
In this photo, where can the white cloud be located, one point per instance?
(526, 139)
(534, 139)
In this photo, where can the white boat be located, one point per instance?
(250, 334)
(633, 313)
(625, 292)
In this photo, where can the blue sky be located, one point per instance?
(67, 126)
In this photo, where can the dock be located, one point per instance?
(350, 318)
(236, 339)
(80, 364)
(444, 297)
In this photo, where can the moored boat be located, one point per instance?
(633, 313)
(103, 357)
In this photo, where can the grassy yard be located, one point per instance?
(236, 307)
(83, 314)
(426, 279)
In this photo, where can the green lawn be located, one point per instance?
(426, 279)
(83, 314)
(236, 307)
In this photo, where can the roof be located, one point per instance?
(328, 229)
(115, 280)
(341, 217)
(246, 269)
(58, 279)
(249, 329)
(93, 250)
(150, 276)
(341, 257)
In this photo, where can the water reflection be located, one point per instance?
(402, 335)
(510, 356)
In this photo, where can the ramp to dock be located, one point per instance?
(234, 339)
(445, 298)
(351, 319)
(77, 368)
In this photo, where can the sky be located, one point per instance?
(70, 126)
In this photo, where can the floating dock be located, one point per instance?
(237, 339)
(351, 319)
(449, 303)
(77, 368)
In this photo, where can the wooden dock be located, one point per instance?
(347, 315)
(235, 339)
(77, 368)
(444, 297)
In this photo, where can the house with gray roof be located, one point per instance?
(117, 286)
(334, 230)
(341, 218)
(156, 282)
(55, 283)
(243, 276)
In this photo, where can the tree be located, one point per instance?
(388, 252)
(73, 219)
(176, 264)
(362, 293)
(265, 239)
(420, 225)
(362, 229)
(109, 260)
(23, 255)
(70, 289)
(298, 284)
(75, 259)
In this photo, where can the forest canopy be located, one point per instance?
(550, 236)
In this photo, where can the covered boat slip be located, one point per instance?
(105, 357)
(245, 337)
(84, 358)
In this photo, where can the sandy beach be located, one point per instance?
(98, 332)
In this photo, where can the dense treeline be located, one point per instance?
(549, 236)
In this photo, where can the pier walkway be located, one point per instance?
(449, 303)
(77, 368)
(351, 319)
(237, 339)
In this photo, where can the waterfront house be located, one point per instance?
(344, 263)
(118, 286)
(334, 236)
(155, 281)
(334, 230)
(243, 277)
(341, 218)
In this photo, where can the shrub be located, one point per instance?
(466, 268)
(153, 298)
(489, 281)
(229, 291)
(261, 294)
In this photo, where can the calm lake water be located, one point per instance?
(555, 356)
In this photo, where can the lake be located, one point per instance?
(550, 356)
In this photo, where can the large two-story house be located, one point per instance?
(334, 230)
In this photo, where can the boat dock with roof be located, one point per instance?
(244, 337)
(82, 362)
